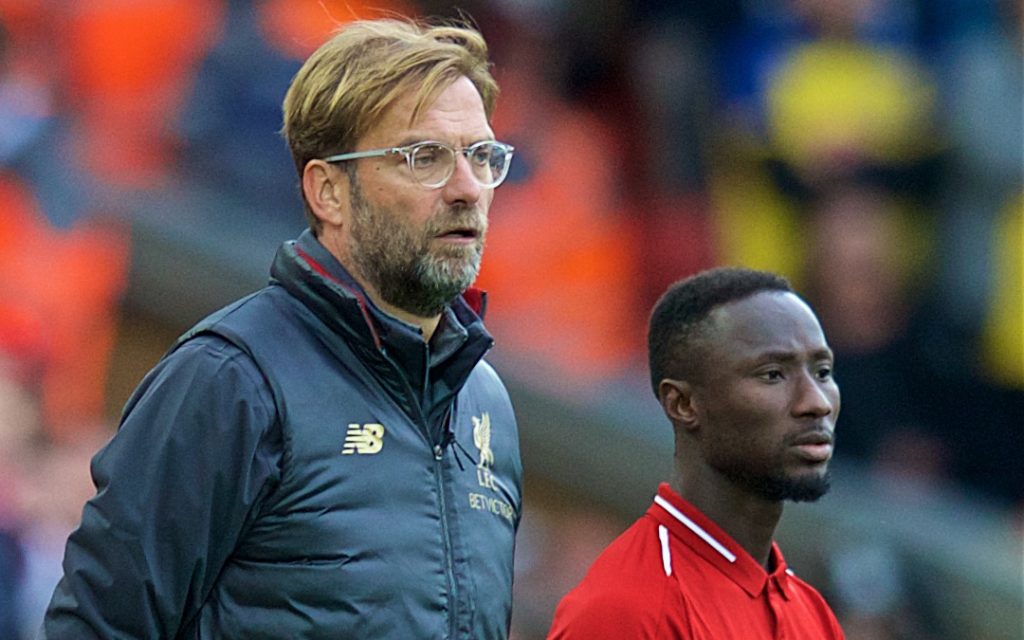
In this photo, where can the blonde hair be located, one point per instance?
(351, 80)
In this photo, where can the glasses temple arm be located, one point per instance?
(355, 155)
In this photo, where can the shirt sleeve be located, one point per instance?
(198, 448)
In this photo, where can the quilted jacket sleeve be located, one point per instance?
(199, 446)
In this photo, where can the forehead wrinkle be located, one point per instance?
(792, 352)
(451, 101)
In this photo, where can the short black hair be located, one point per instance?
(688, 302)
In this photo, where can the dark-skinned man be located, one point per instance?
(742, 370)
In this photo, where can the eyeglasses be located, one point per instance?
(433, 163)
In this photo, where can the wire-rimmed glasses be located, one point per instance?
(432, 163)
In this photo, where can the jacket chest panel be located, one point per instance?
(368, 526)
(373, 465)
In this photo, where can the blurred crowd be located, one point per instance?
(870, 150)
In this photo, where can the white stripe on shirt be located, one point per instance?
(666, 555)
(696, 528)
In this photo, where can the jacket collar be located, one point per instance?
(310, 273)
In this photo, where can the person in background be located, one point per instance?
(330, 456)
(743, 372)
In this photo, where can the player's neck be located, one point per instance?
(753, 529)
(748, 519)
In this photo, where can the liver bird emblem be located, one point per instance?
(482, 439)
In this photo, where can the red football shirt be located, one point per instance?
(674, 575)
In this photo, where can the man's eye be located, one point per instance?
(772, 375)
(425, 157)
(825, 373)
(481, 156)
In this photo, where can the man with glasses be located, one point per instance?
(330, 457)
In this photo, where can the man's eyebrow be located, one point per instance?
(415, 138)
(823, 354)
(779, 355)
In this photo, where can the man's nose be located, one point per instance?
(815, 397)
(462, 186)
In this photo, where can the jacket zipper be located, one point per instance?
(449, 568)
(438, 452)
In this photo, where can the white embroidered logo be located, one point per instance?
(364, 439)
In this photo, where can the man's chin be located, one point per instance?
(453, 254)
(807, 488)
(804, 488)
(452, 272)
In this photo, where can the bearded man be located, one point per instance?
(300, 464)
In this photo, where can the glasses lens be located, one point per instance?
(489, 161)
(432, 164)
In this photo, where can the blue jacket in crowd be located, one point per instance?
(302, 465)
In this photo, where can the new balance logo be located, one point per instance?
(366, 438)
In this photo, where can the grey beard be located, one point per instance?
(400, 265)
(428, 284)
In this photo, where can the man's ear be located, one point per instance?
(326, 188)
(677, 401)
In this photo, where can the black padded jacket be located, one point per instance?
(303, 465)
